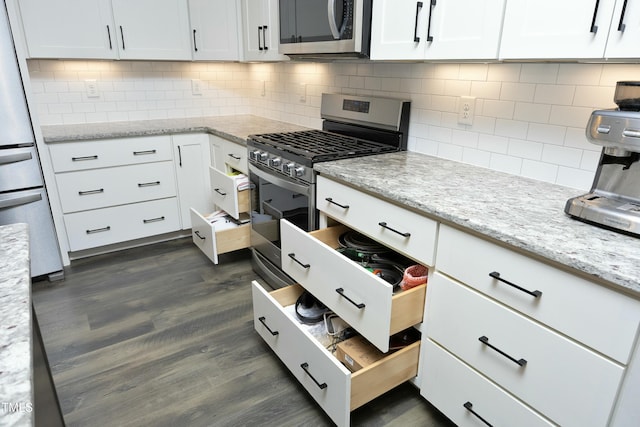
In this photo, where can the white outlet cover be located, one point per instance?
(91, 87)
(466, 110)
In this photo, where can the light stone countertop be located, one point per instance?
(235, 128)
(16, 368)
(523, 213)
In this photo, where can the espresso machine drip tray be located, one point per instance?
(609, 211)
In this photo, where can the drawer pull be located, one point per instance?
(293, 257)
(305, 367)
(149, 184)
(496, 275)
(468, 406)
(147, 221)
(141, 153)
(88, 192)
(263, 321)
(99, 230)
(330, 200)
(384, 225)
(197, 233)
(484, 340)
(217, 190)
(341, 292)
(233, 156)
(80, 159)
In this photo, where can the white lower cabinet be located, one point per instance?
(93, 228)
(467, 397)
(337, 390)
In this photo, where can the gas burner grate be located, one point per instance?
(318, 146)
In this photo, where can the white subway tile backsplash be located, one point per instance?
(519, 106)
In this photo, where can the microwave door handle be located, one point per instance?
(331, 15)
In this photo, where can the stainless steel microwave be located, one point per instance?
(321, 28)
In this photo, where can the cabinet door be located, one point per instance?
(464, 29)
(398, 29)
(152, 29)
(192, 170)
(215, 29)
(261, 30)
(546, 29)
(69, 28)
(625, 31)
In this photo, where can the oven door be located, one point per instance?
(275, 197)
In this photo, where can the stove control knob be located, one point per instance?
(262, 156)
(253, 154)
(275, 162)
(287, 168)
(297, 172)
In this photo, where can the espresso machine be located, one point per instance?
(614, 199)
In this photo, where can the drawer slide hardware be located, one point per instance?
(88, 192)
(384, 225)
(520, 362)
(99, 230)
(330, 200)
(468, 406)
(293, 257)
(341, 292)
(305, 367)
(496, 275)
(262, 320)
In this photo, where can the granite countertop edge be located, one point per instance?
(16, 340)
(522, 213)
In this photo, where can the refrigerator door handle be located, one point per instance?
(15, 158)
(20, 200)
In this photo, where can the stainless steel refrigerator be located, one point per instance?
(23, 197)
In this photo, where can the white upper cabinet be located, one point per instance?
(216, 33)
(624, 34)
(567, 29)
(152, 29)
(107, 29)
(454, 29)
(69, 28)
(261, 28)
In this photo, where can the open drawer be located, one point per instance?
(363, 300)
(214, 242)
(337, 390)
(225, 193)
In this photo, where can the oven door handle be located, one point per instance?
(276, 180)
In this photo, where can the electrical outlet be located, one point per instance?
(466, 108)
(196, 87)
(263, 88)
(91, 87)
(303, 92)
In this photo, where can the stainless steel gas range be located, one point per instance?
(282, 174)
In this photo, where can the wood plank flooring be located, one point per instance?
(159, 336)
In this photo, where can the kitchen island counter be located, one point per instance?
(524, 214)
(16, 369)
(235, 128)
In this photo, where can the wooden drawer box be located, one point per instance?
(575, 306)
(559, 378)
(93, 189)
(450, 385)
(90, 229)
(225, 193)
(360, 298)
(337, 390)
(213, 242)
(406, 232)
(81, 155)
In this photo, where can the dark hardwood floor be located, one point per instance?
(159, 336)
